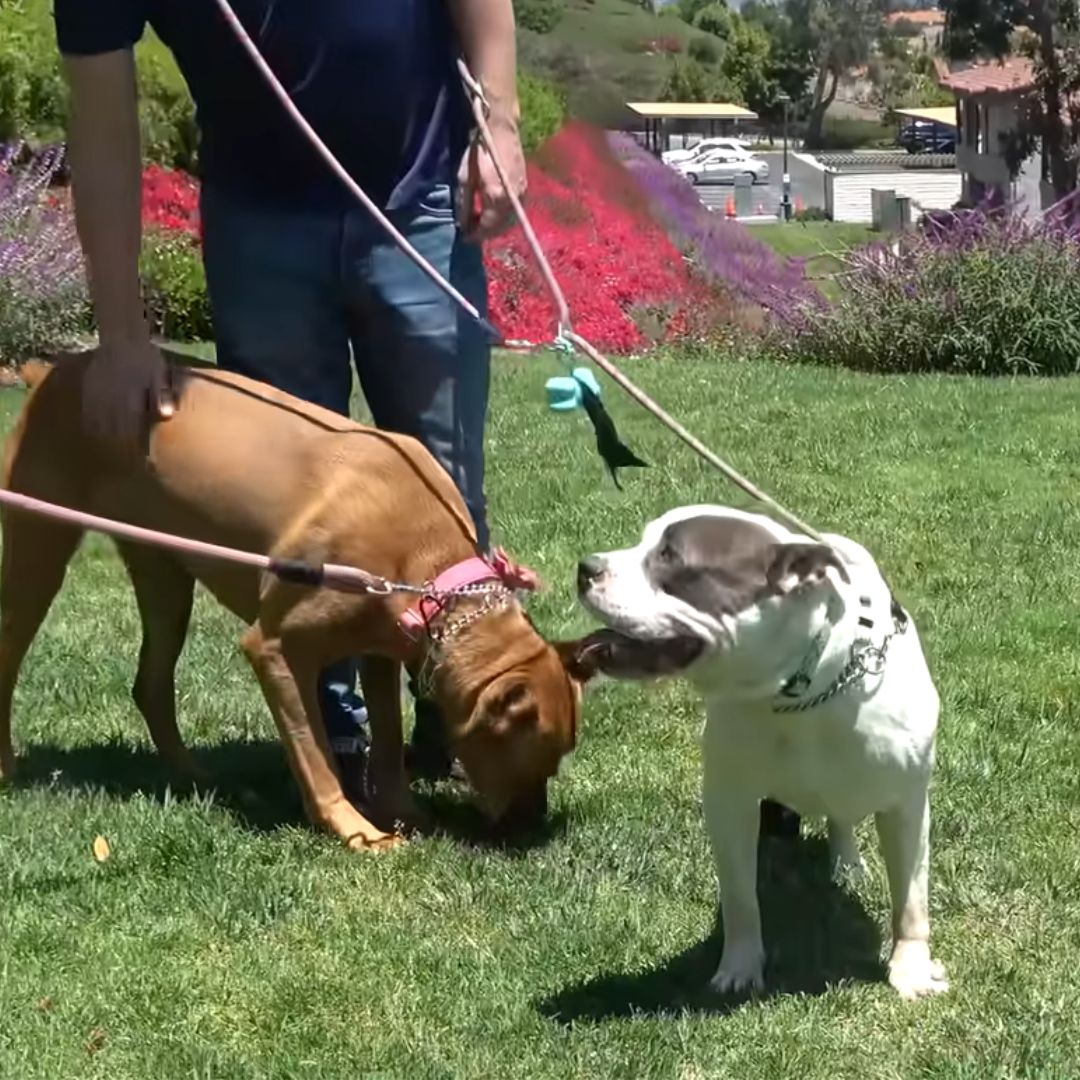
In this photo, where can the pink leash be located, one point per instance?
(331, 575)
(462, 578)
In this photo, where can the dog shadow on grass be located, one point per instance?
(455, 815)
(251, 781)
(816, 935)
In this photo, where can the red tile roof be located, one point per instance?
(928, 17)
(1017, 73)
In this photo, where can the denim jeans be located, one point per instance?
(294, 293)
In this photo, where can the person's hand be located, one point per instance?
(485, 209)
(125, 388)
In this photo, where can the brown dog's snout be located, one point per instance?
(524, 813)
(589, 570)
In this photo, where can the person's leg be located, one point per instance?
(424, 366)
(279, 317)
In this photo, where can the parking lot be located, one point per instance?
(806, 185)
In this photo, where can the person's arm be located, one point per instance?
(106, 178)
(487, 35)
(125, 382)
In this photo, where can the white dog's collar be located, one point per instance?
(866, 659)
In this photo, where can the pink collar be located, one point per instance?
(498, 569)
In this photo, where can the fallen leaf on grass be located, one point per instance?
(95, 1040)
(45, 1004)
(101, 848)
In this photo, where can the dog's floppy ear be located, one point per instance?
(803, 562)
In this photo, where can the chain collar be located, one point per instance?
(445, 625)
(866, 658)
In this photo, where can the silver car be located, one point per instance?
(722, 166)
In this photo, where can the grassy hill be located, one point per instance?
(598, 54)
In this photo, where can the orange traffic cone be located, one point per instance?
(729, 207)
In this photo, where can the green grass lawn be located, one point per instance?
(813, 238)
(818, 242)
(223, 939)
(595, 54)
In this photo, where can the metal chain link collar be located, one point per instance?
(866, 659)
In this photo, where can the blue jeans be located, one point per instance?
(294, 292)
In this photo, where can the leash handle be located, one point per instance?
(480, 110)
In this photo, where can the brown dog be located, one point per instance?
(242, 465)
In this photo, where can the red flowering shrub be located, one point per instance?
(626, 283)
(624, 280)
(174, 281)
(170, 200)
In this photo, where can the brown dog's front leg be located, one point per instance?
(380, 680)
(288, 683)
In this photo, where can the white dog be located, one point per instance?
(817, 696)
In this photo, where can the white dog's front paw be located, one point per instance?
(742, 969)
(913, 974)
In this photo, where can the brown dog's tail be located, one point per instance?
(33, 372)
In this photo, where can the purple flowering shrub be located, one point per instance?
(981, 291)
(43, 296)
(722, 252)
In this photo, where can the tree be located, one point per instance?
(841, 34)
(757, 54)
(688, 9)
(715, 19)
(540, 16)
(904, 76)
(689, 80)
(745, 63)
(790, 63)
(1049, 32)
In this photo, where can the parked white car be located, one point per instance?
(722, 166)
(727, 142)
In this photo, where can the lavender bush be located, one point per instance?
(723, 252)
(43, 299)
(981, 291)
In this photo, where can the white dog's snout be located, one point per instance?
(590, 570)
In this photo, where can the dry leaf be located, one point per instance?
(95, 1040)
(45, 1004)
(101, 848)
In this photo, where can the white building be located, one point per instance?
(989, 101)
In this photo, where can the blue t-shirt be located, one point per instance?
(375, 78)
